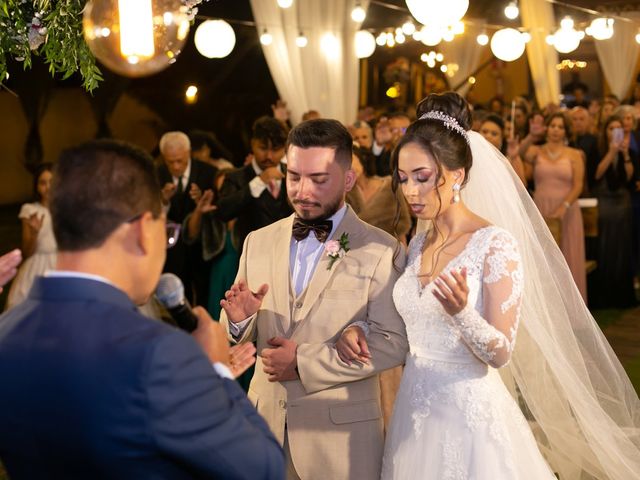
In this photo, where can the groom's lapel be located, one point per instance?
(323, 273)
(282, 274)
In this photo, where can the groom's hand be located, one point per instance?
(280, 362)
(240, 303)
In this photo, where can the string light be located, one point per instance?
(482, 39)
(285, 3)
(511, 11)
(358, 14)
(301, 40)
(266, 38)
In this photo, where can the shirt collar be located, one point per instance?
(258, 170)
(73, 274)
(186, 174)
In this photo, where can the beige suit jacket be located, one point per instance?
(332, 414)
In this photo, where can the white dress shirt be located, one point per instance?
(185, 178)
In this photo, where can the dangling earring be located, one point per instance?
(456, 192)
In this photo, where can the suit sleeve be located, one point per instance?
(235, 197)
(250, 333)
(203, 421)
(319, 365)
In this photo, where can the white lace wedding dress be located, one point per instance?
(454, 418)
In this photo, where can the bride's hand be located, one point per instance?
(352, 346)
(452, 293)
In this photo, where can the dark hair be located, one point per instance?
(565, 122)
(448, 147)
(323, 132)
(603, 141)
(96, 187)
(201, 138)
(497, 119)
(367, 159)
(37, 172)
(269, 130)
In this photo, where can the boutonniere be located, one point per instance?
(336, 249)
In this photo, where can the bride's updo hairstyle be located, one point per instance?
(444, 141)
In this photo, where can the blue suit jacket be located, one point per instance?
(89, 388)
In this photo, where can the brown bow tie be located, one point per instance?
(321, 228)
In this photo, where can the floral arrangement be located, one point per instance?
(336, 249)
(51, 29)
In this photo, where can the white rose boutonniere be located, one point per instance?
(336, 249)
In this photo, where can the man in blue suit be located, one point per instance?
(91, 388)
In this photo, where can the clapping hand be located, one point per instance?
(204, 205)
(195, 193)
(9, 266)
(168, 191)
(352, 346)
(35, 222)
(452, 292)
(280, 111)
(240, 303)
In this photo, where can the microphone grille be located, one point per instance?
(170, 291)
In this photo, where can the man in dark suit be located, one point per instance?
(183, 181)
(255, 194)
(91, 388)
(585, 141)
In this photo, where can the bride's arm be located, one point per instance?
(491, 335)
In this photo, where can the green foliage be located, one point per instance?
(51, 29)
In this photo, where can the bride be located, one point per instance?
(483, 269)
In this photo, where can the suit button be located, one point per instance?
(298, 305)
(282, 404)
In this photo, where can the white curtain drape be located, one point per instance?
(307, 78)
(618, 56)
(538, 18)
(465, 52)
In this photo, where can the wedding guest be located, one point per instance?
(256, 194)
(558, 174)
(38, 242)
(614, 273)
(183, 180)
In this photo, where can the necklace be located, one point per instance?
(552, 155)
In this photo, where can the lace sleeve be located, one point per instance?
(492, 334)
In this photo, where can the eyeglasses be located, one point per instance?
(172, 230)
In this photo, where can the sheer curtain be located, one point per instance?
(308, 78)
(538, 18)
(465, 52)
(618, 56)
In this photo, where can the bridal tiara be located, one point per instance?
(449, 122)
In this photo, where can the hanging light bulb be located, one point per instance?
(482, 39)
(436, 12)
(637, 37)
(266, 38)
(301, 40)
(330, 45)
(381, 39)
(408, 28)
(191, 94)
(511, 11)
(507, 44)
(358, 14)
(458, 28)
(601, 28)
(430, 36)
(365, 44)
(448, 35)
(135, 38)
(566, 39)
(214, 39)
(285, 3)
(526, 36)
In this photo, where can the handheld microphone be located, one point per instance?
(170, 293)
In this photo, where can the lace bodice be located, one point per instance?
(486, 329)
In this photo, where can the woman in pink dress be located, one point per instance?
(558, 172)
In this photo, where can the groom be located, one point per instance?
(314, 273)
